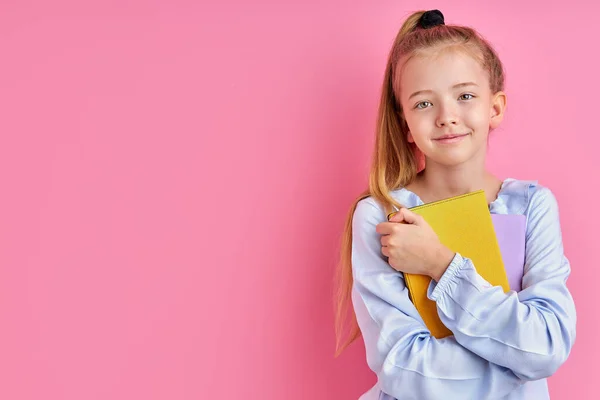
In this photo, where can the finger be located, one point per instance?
(410, 217)
(385, 251)
(384, 240)
(396, 217)
(390, 241)
(385, 228)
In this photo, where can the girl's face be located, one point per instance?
(448, 106)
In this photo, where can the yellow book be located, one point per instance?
(464, 224)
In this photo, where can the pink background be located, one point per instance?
(175, 178)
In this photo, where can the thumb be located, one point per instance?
(397, 217)
(410, 217)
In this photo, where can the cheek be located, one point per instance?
(417, 122)
(474, 118)
(477, 116)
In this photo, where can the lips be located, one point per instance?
(451, 139)
(451, 136)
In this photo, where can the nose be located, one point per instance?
(447, 116)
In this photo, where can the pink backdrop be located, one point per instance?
(175, 178)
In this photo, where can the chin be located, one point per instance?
(455, 156)
(451, 158)
(452, 162)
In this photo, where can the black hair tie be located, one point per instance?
(431, 18)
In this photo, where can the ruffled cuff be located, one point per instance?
(448, 280)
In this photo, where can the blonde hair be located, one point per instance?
(395, 161)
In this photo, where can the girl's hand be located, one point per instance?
(412, 246)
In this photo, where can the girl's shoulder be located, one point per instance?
(518, 196)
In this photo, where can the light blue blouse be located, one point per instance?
(503, 345)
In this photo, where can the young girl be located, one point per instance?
(442, 95)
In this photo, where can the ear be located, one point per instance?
(410, 137)
(497, 109)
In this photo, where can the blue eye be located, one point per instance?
(466, 94)
(420, 105)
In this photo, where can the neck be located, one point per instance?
(441, 181)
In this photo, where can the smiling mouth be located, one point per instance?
(448, 137)
(452, 138)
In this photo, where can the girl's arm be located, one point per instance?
(399, 348)
(530, 332)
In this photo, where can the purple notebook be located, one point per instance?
(510, 232)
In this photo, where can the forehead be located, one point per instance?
(439, 72)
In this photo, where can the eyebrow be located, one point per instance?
(458, 85)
